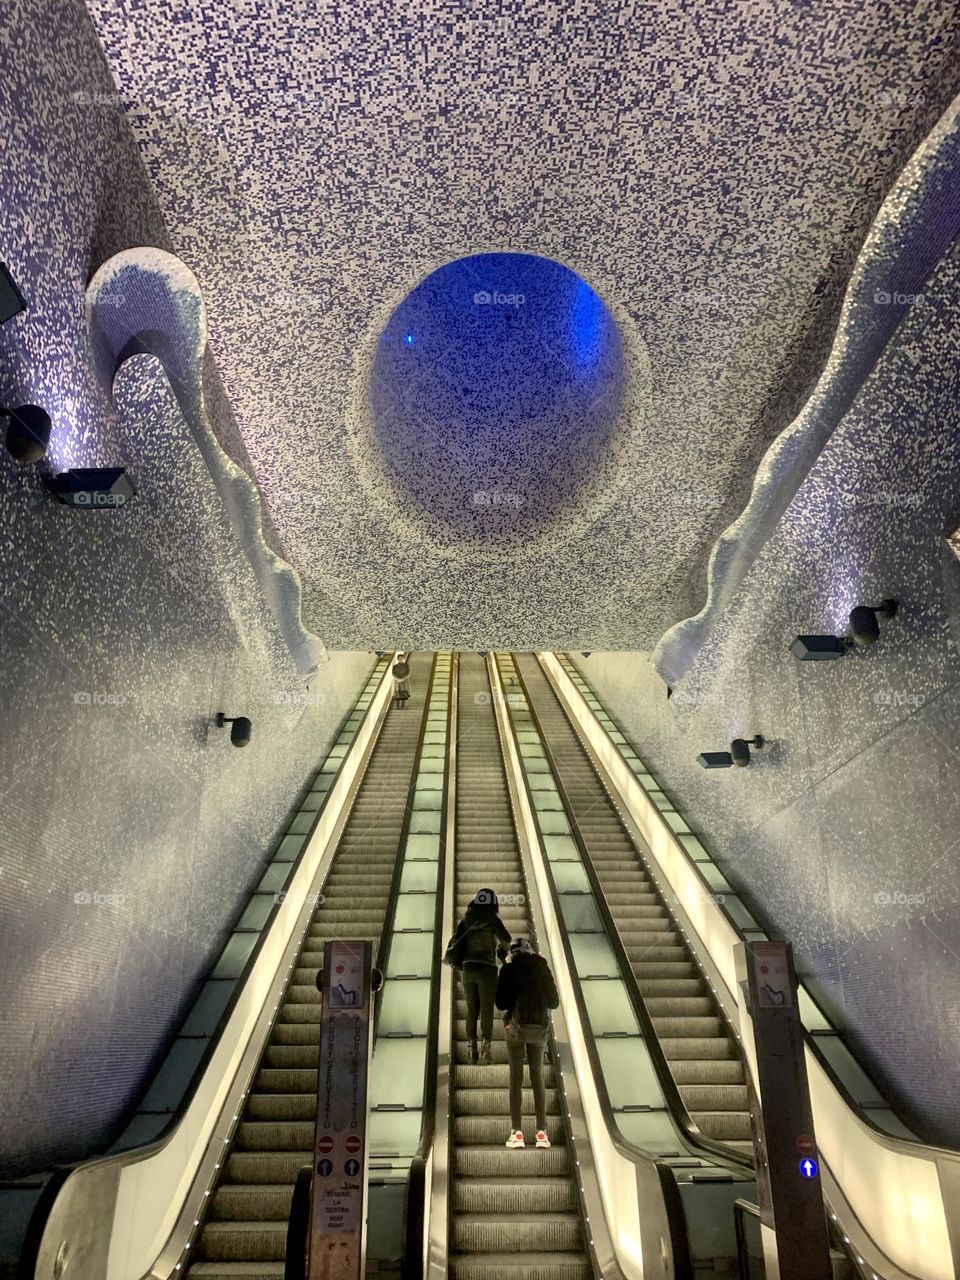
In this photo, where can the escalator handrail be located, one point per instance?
(61, 1173)
(415, 1216)
(386, 935)
(892, 1141)
(668, 1086)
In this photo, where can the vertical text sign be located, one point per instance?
(338, 1206)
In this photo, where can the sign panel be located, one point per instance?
(338, 1206)
(774, 985)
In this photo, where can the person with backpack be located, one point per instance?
(473, 950)
(526, 992)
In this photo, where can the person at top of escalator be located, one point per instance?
(401, 676)
(474, 951)
(526, 992)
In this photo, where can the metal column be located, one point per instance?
(792, 1218)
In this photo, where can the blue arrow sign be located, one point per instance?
(808, 1168)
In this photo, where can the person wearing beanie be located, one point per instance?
(526, 992)
(473, 949)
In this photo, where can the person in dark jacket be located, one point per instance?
(476, 941)
(526, 992)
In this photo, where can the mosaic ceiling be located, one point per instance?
(708, 173)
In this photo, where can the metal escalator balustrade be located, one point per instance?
(403, 1064)
(700, 1048)
(513, 1213)
(244, 1233)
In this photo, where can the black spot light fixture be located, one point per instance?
(864, 631)
(93, 488)
(739, 754)
(241, 729)
(864, 627)
(27, 433)
(12, 301)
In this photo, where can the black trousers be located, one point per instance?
(479, 988)
(516, 1052)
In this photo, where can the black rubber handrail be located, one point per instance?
(386, 935)
(675, 1104)
(416, 1208)
(742, 1208)
(60, 1172)
(298, 1227)
(810, 1037)
(676, 1217)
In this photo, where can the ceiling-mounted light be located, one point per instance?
(93, 488)
(864, 631)
(28, 433)
(739, 754)
(864, 627)
(740, 749)
(12, 301)
(241, 729)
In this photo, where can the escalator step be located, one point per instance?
(496, 1102)
(237, 1270)
(243, 1241)
(282, 1106)
(252, 1202)
(477, 1130)
(497, 1161)
(518, 1194)
(715, 1097)
(288, 1135)
(511, 1266)
(270, 1167)
(546, 1233)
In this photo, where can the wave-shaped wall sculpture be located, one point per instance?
(145, 300)
(915, 225)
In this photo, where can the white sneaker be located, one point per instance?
(515, 1140)
(542, 1139)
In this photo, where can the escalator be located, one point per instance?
(513, 1213)
(697, 1042)
(245, 1230)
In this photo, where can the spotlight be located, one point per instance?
(740, 749)
(819, 648)
(585, 655)
(28, 433)
(11, 299)
(93, 488)
(739, 754)
(864, 627)
(715, 759)
(241, 729)
(864, 631)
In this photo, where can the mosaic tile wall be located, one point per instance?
(844, 830)
(711, 171)
(131, 828)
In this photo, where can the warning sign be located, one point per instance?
(806, 1145)
(772, 971)
(339, 1210)
(325, 1144)
(353, 1144)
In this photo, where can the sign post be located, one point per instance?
(793, 1223)
(338, 1209)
